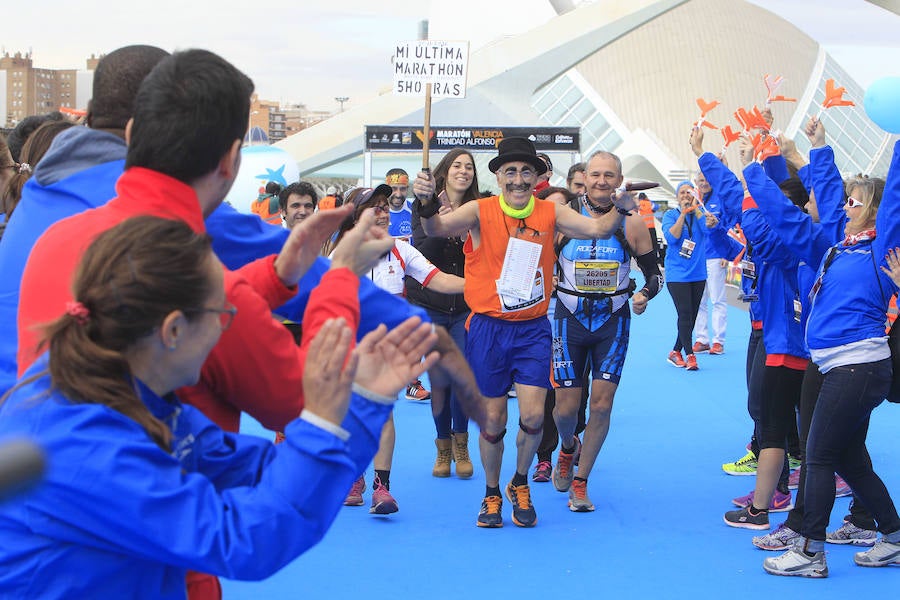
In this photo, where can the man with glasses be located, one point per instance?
(297, 202)
(509, 266)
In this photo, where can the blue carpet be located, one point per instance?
(658, 487)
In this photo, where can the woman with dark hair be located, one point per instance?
(140, 487)
(402, 261)
(33, 151)
(456, 182)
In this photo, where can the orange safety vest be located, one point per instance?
(266, 206)
(326, 203)
(645, 209)
(484, 263)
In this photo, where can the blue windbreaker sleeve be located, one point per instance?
(238, 239)
(805, 175)
(796, 230)
(887, 221)
(726, 185)
(723, 244)
(112, 489)
(776, 168)
(829, 189)
(667, 221)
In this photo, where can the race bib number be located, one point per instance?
(597, 276)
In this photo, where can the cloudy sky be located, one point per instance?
(315, 50)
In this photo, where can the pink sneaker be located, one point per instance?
(542, 471)
(794, 480)
(780, 502)
(382, 501)
(354, 497)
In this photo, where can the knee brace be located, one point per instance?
(531, 431)
(493, 439)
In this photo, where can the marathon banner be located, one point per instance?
(443, 138)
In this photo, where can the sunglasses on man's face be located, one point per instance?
(853, 202)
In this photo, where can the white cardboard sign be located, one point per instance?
(443, 64)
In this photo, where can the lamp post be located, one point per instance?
(341, 100)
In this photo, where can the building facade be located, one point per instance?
(26, 90)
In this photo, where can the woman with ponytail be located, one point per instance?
(139, 487)
(33, 151)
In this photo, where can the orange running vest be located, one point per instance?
(483, 264)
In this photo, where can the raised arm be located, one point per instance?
(455, 222)
(887, 221)
(796, 230)
(577, 226)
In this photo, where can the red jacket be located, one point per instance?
(255, 367)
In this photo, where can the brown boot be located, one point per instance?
(464, 468)
(444, 456)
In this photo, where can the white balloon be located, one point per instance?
(259, 166)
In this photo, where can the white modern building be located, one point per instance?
(627, 73)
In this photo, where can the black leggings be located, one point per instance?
(686, 295)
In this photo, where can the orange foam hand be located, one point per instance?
(751, 120)
(766, 148)
(730, 135)
(834, 96)
(705, 106)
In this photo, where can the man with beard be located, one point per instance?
(401, 216)
(509, 264)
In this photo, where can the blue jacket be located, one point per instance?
(716, 201)
(796, 230)
(851, 303)
(116, 516)
(79, 172)
(678, 268)
(731, 195)
(776, 269)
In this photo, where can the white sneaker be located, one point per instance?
(848, 533)
(795, 563)
(882, 554)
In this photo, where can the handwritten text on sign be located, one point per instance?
(440, 63)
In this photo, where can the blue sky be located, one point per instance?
(315, 50)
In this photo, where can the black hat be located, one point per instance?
(515, 149)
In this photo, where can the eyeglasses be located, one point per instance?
(226, 315)
(853, 202)
(525, 173)
(380, 209)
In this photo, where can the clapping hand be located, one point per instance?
(389, 360)
(328, 372)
